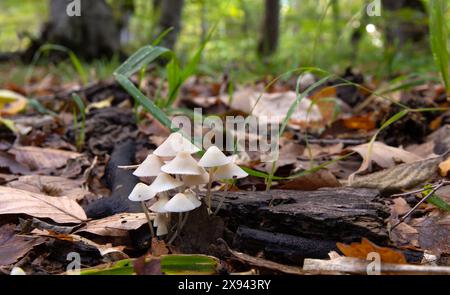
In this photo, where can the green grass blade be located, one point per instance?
(189, 264)
(157, 113)
(439, 37)
(141, 58)
(76, 63)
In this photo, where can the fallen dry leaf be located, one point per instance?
(9, 162)
(400, 207)
(116, 225)
(59, 209)
(363, 122)
(444, 167)
(275, 106)
(42, 158)
(11, 102)
(434, 231)
(403, 176)
(361, 250)
(322, 178)
(51, 185)
(13, 247)
(385, 156)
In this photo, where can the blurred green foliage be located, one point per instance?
(233, 45)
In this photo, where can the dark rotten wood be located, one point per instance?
(337, 214)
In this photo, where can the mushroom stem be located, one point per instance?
(147, 215)
(208, 193)
(180, 225)
(222, 199)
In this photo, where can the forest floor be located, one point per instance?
(334, 198)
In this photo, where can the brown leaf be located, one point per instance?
(385, 156)
(13, 247)
(51, 185)
(159, 247)
(42, 158)
(116, 225)
(322, 178)
(59, 209)
(434, 231)
(8, 161)
(364, 122)
(403, 176)
(274, 107)
(400, 207)
(361, 250)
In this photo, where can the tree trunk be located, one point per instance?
(171, 12)
(405, 21)
(90, 35)
(268, 42)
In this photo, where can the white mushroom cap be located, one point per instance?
(175, 143)
(158, 206)
(183, 163)
(230, 171)
(150, 167)
(192, 197)
(164, 182)
(17, 271)
(162, 229)
(179, 203)
(141, 192)
(196, 179)
(214, 157)
(160, 218)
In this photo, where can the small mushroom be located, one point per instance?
(214, 157)
(192, 197)
(179, 203)
(158, 206)
(17, 271)
(141, 192)
(150, 167)
(212, 160)
(196, 180)
(162, 229)
(164, 182)
(161, 222)
(175, 143)
(183, 164)
(229, 171)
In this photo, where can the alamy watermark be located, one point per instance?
(74, 267)
(74, 8)
(232, 133)
(374, 8)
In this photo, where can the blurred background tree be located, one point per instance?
(252, 36)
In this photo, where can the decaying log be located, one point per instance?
(336, 214)
(280, 247)
(121, 183)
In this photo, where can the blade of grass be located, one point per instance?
(141, 58)
(439, 37)
(288, 116)
(157, 113)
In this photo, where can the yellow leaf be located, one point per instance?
(11, 102)
(444, 167)
(361, 250)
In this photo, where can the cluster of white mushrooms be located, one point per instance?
(174, 168)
